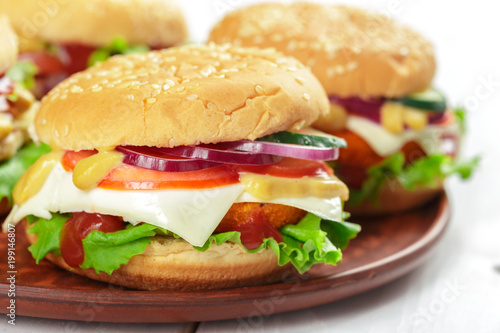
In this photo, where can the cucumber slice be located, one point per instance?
(429, 100)
(320, 140)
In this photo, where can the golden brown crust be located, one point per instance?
(173, 264)
(394, 198)
(353, 52)
(181, 96)
(276, 215)
(98, 22)
(8, 45)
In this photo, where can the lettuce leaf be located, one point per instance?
(118, 45)
(48, 233)
(427, 171)
(311, 241)
(23, 73)
(12, 169)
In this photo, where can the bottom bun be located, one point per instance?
(173, 264)
(394, 198)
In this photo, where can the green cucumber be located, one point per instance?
(319, 139)
(429, 100)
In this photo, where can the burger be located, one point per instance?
(403, 138)
(17, 111)
(185, 169)
(64, 37)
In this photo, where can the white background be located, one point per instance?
(458, 289)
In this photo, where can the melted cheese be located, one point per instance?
(385, 143)
(190, 213)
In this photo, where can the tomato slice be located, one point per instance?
(290, 168)
(129, 177)
(47, 63)
(75, 56)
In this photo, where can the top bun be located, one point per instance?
(8, 45)
(353, 52)
(157, 23)
(181, 96)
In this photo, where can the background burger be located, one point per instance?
(402, 137)
(64, 37)
(17, 111)
(174, 169)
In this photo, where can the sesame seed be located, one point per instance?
(156, 92)
(248, 102)
(299, 80)
(330, 71)
(194, 86)
(76, 89)
(340, 70)
(180, 89)
(281, 60)
(151, 100)
(130, 97)
(166, 87)
(260, 90)
(351, 66)
(56, 133)
(306, 97)
(192, 97)
(171, 142)
(170, 82)
(155, 86)
(64, 96)
(292, 69)
(43, 121)
(404, 51)
(258, 39)
(211, 106)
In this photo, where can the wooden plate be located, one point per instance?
(386, 249)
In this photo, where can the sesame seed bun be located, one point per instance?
(353, 52)
(97, 22)
(173, 264)
(181, 96)
(8, 45)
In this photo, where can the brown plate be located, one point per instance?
(386, 249)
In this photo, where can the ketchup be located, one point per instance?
(78, 227)
(255, 230)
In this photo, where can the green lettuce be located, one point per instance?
(48, 233)
(118, 45)
(12, 169)
(311, 241)
(23, 73)
(427, 171)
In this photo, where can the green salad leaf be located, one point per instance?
(48, 233)
(12, 169)
(23, 73)
(311, 241)
(118, 45)
(427, 171)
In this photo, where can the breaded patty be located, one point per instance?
(277, 215)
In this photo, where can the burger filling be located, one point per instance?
(413, 140)
(54, 63)
(17, 110)
(97, 209)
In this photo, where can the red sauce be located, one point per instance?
(78, 227)
(255, 230)
(75, 57)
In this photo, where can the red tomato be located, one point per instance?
(71, 158)
(289, 167)
(47, 64)
(75, 56)
(78, 227)
(129, 177)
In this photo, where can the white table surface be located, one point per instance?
(458, 288)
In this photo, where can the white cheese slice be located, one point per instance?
(385, 143)
(193, 214)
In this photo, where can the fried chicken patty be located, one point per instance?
(275, 214)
